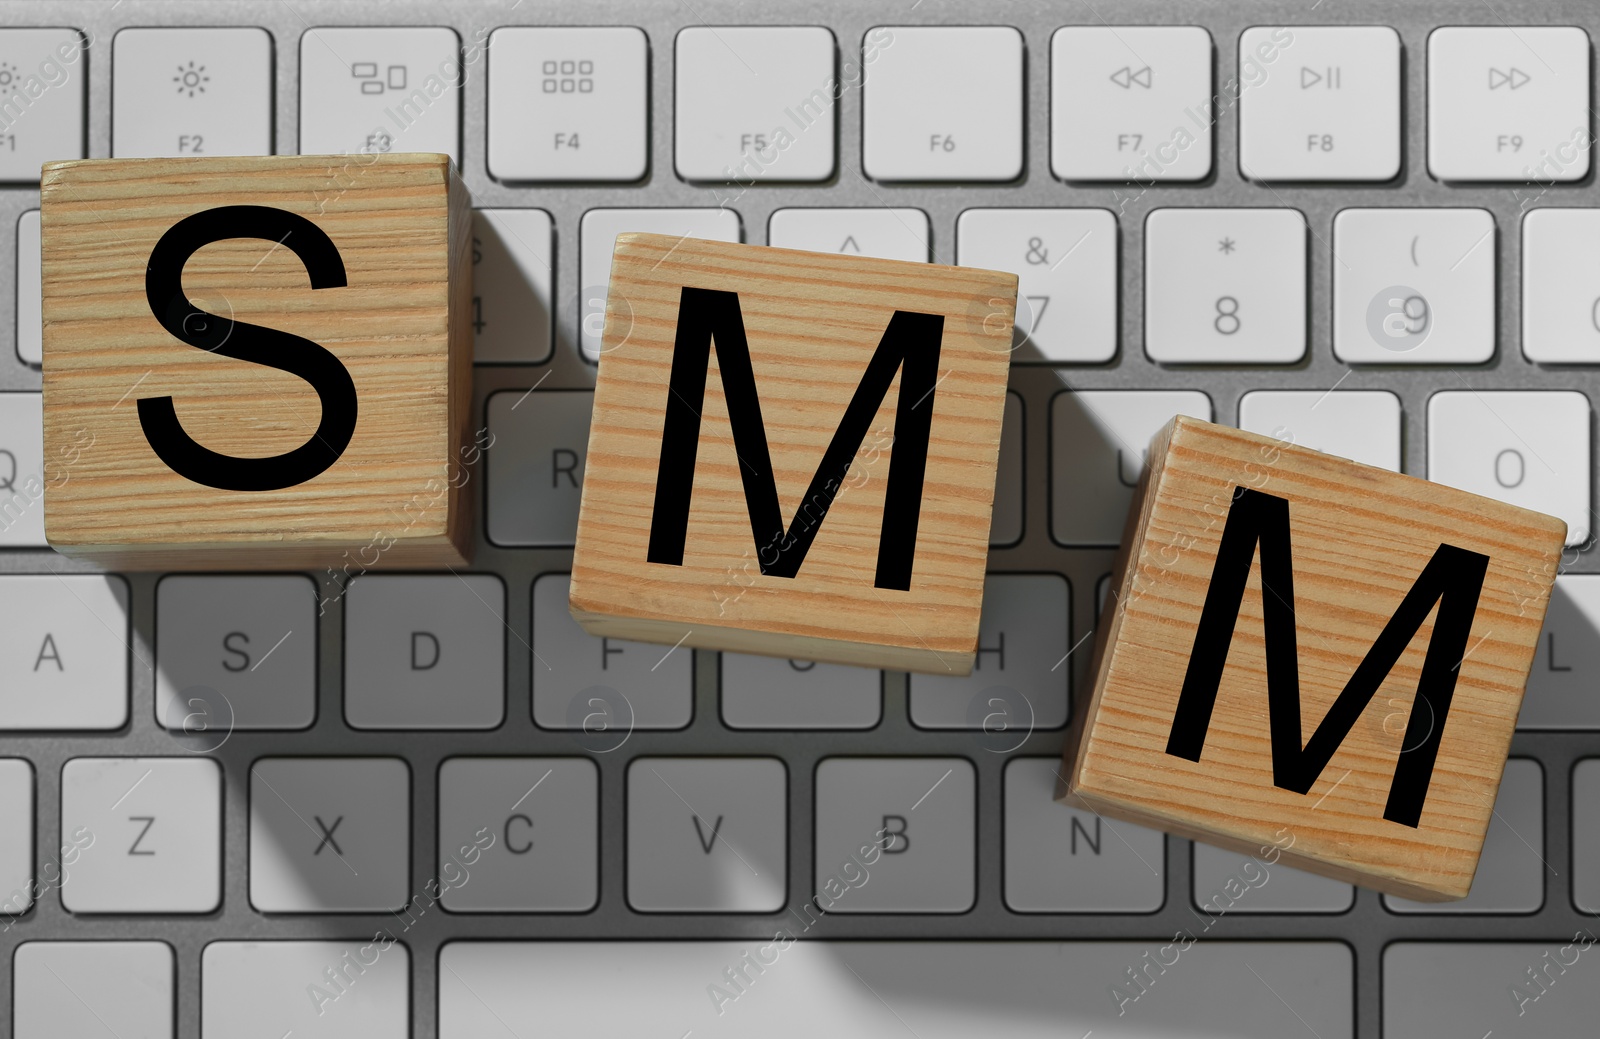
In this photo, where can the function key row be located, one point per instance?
(939, 103)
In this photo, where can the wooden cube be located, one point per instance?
(1313, 661)
(793, 453)
(258, 362)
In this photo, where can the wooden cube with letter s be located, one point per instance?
(259, 362)
(793, 453)
(1313, 661)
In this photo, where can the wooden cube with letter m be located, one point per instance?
(793, 453)
(1312, 660)
(257, 361)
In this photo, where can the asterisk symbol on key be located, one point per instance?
(1225, 246)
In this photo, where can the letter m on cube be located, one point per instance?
(793, 453)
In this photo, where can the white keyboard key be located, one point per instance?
(191, 92)
(1508, 103)
(603, 688)
(942, 103)
(1019, 682)
(1065, 261)
(23, 478)
(1566, 665)
(926, 989)
(1413, 286)
(890, 234)
(308, 990)
(16, 819)
(1131, 102)
(64, 651)
(373, 90)
(1525, 447)
(1005, 519)
(1098, 440)
(736, 124)
(770, 693)
(882, 232)
(1363, 425)
(236, 652)
(1225, 285)
(157, 826)
(1063, 860)
(513, 312)
(66, 990)
(598, 238)
(1502, 990)
(329, 835)
(1226, 882)
(1512, 868)
(425, 651)
(519, 835)
(1560, 299)
(1586, 835)
(1329, 108)
(895, 835)
(707, 835)
(30, 293)
(535, 466)
(42, 99)
(568, 103)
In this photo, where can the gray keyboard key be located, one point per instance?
(535, 466)
(307, 990)
(1226, 882)
(519, 834)
(895, 835)
(511, 275)
(707, 835)
(156, 828)
(1062, 860)
(1098, 440)
(67, 990)
(16, 853)
(329, 835)
(1005, 525)
(236, 652)
(770, 693)
(425, 651)
(1503, 990)
(1566, 667)
(64, 651)
(1586, 835)
(23, 479)
(789, 989)
(1512, 869)
(601, 687)
(1019, 680)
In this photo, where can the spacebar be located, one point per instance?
(785, 988)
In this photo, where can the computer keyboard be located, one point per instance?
(349, 803)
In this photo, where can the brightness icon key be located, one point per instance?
(179, 92)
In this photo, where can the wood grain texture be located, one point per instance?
(812, 321)
(1360, 537)
(396, 496)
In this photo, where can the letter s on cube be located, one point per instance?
(257, 361)
(1234, 696)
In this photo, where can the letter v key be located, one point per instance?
(706, 842)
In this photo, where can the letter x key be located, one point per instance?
(327, 836)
